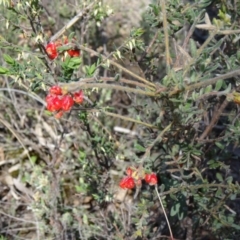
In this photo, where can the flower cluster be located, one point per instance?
(134, 178)
(59, 102)
(52, 49)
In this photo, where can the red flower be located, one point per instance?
(59, 114)
(129, 171)
(67, 102)
(54, 103)
(51, 50)
(127, 182)
(74, 52)
(151, 179)
(78, 97)
(55, 90)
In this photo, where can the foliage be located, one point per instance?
(164, 105)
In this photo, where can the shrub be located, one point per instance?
(163, 106)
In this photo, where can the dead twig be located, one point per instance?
(215, 118)
(71, 22)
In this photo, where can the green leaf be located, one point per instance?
(219, 177)
(193, 48)
(71, 36)
(218, 144)
(175, 209)
(218, 85)
(229, 179)
(3, 70)
(85, 219)
(233, 196)
(33, 159)
(213, 164)
(74, 62)
(172, 196)
(235, 226)
(139, 148)
(63, 48)
(228, 88)
(208, 89)
(8, 59)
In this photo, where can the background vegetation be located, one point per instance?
(161, 85)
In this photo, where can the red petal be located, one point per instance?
(54, 103)
(78, 97)
(151, 179)
(74, 53)
(51, 50)
(56, 90)
(67, 102)
(127, 182)
(129, 171)
(59, 114)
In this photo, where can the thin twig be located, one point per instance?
(207, 82)
(85, 85)
(215, 118)
(191, 30)
(94, 53)
(32, 95)
(158, 139)
(72, 86)
(7, 125)
(149, 46)
(199, 51)
(148, 151)
(71, 22)
(125, 118)
(165, 29)
(160, 200)
(228, 32)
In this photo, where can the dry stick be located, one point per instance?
(150, 85)
(71, 22)
(152, 42)
(127, 119)
(228, 32)
(215, 118)
(207, 82)
(190, 32)
(200, 50)
(212, 80)
(165, 214)
(73, 86)
(149, 46)
(148, 151)
(7, 125)
(85, 85)
(158, 139)
(165, 29)
(122, 80)
(147, 154)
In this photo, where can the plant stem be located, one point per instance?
(71, 22)
(126, 118)
(207, 82)
(148, 84)
(84, 85)
(160, 200)
(165, 29)
(215, 118)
